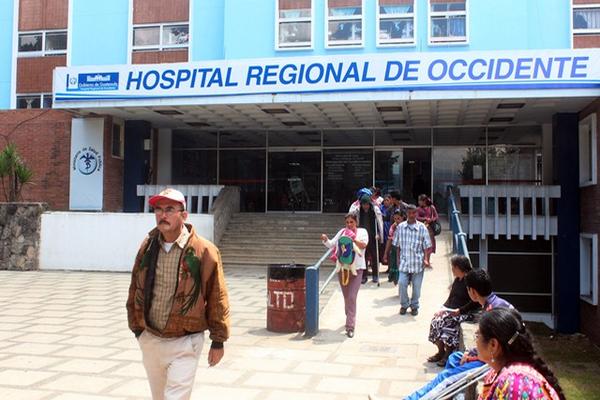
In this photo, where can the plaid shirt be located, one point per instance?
(413, 240)
(166, 280)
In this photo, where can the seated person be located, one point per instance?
(444, 330)
(479, 287)
(517, 372)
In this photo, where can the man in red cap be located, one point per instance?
(177, 292)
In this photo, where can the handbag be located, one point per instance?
(436, 227)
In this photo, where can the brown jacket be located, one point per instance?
(200, 300)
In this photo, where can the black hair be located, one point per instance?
(375, 190)
(479, 280)
(396, 195)
(411, 207)
(507, 327)
(461, 262)
(425, 198)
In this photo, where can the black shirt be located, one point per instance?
(459, 297)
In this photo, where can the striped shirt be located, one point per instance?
(165, 282)
(413, 240)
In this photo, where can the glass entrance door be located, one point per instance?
(407, 170)
(344, 172)
(294, 181)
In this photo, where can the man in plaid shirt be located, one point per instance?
(412, 239)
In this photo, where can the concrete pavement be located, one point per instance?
(64, 336)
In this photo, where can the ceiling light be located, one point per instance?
(389, 108)
(276, 110)
(507, 106)
(394, 122)
(293, 123)
(198, 124)
(501, 119)
(169, 112)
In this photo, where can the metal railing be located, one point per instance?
(311, 322)
(459, 237)
(210, 192)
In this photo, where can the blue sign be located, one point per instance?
(93, 82)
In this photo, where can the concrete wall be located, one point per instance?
(99, 32)
(100, 241)
(20, 235)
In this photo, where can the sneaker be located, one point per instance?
(402, 310)
(414, 312)
(376, 280)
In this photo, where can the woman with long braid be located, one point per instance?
(517, 372)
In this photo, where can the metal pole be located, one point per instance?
(311, 324)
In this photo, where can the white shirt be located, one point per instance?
(361, 236)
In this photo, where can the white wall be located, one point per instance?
(86, 241)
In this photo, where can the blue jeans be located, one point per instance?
(403, 281)
(444, 378)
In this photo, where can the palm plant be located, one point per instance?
(14, 173)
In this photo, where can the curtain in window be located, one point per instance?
(291, 13)
(399, 9)
(456, 26)
(344, 11)
(586, 18)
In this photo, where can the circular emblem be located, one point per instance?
(87, 162)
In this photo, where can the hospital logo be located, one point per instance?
(93, 81)
(87, 161)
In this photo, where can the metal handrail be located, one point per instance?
(311, 322)
(459, 237)
(471, 378)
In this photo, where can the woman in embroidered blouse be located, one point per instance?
(360, 237)
(517, 372)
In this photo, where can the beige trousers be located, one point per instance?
(171, 364)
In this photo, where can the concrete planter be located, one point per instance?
(20, 225)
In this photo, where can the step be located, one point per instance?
(279, 258)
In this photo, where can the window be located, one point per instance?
(588, 268)
(396, 21)
(587, 151)
(160, 37)
(344, 22)
(586, 18)
(118, 140)
(34, 100)
(294, 24)
(448, 21)
(35, 44)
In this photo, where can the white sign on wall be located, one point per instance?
(449, 71)
(87, 164)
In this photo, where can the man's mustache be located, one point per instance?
(164, 222)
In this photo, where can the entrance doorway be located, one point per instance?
(294, 182)
(407, 170)
(344, 172)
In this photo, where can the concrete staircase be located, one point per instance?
(261, 239)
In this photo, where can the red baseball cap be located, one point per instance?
(168, 194)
